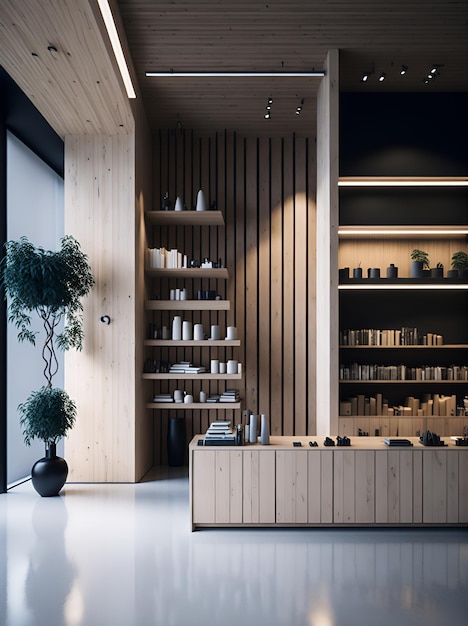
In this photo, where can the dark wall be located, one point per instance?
(403, 134)
(25, 122)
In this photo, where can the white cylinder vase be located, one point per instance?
(187, 331)
(177, 328)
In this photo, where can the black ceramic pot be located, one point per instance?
(176, 441)
(49, 473)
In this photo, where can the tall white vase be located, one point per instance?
(253, 429)
(201, 202)
(177, 328)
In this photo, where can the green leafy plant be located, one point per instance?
(47, 414)
(421, 256)
(460, 260)
(50, 284)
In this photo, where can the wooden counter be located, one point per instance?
(366, 484)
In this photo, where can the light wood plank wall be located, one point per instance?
(266, 191)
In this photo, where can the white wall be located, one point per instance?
(35, 203)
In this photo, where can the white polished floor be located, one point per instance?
(122, 555)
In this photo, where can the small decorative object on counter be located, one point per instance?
(166, 203)
(264, 430)
(357, 272)
(253, 428)
(392, 271)
(373, 272)
(343, 273)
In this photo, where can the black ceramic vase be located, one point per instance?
(176, 441)
(49, 473)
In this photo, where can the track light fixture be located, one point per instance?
(299, 108)
(267, 115)
(365, 77)
(404, 69)
(382, 77)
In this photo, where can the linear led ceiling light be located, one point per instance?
(116, 46)
(171, 74)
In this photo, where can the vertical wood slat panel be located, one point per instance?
(288, 286)
(276, 293)
(251, 278)
(266, 189)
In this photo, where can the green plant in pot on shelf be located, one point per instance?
(460, 263)
(51, 285)
(420, 266)
(437, 271)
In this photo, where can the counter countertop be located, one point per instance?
(357, 443)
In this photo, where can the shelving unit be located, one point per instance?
(436, 305)
(175, 224)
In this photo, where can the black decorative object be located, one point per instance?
(343, 274)
(392, 271)
(357, 272)
(49, 473)
(431, 439)
(176, 441)
(328, 442)
(373, 272)
(343, 441)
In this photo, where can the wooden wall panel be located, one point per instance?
(100, 213)
(267, 194)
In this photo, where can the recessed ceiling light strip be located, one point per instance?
(171, 74)
(116, 46)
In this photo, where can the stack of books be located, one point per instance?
(214, 398)
(220, 433)
(163, 397)
(186, 367)
(230, 395)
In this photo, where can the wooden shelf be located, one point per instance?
(185, 218)
(204, 406)
(403, 181)
(205, 376)
(402, 232)
(191, 272)
(187, 305)
(205, 343)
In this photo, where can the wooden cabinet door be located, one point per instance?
(216, 487)
(291, 487)
(398, 486)
(353, 486)
(258, 504)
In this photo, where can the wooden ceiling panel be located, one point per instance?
(276, 35)
(76, 87)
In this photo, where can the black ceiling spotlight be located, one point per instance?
(382, 77)
(365, 77)
(404, 69)
(299, 108)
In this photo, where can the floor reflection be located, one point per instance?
(123, 555)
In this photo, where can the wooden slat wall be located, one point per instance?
(266, 190)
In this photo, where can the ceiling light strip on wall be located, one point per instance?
(170, 74)
(449, 181)
(116, 46)
(387, 286)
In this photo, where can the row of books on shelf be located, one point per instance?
(428, 405)
(372, 371)
(186, 367)
(388, 337)
(161, 258)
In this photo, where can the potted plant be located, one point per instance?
(437, 271)
(460, 263)
(50, 284)
(419, 263)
